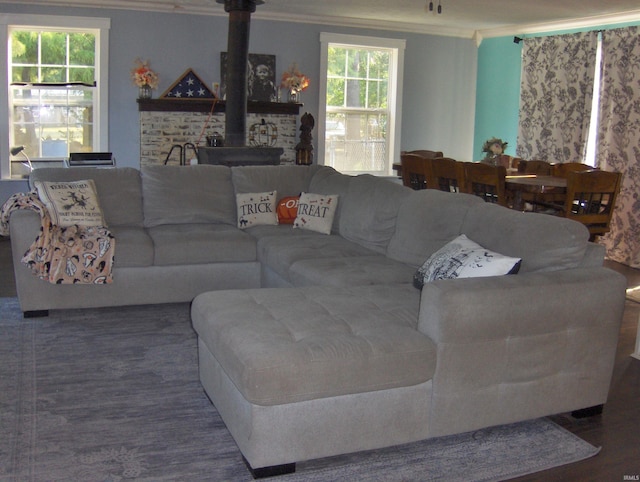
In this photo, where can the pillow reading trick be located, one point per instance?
(463, 258)
(71, 203)
(316, 212)
(256, 208)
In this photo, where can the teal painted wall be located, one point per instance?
(497, 93)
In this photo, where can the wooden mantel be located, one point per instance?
(204, 105)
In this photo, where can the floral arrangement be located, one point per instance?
(293, 80)
(494, 147)
(142, 75)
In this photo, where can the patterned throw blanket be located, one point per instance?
(63, 255)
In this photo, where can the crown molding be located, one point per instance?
(216, 9)
(573, 24)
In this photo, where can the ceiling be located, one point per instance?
(459, 18)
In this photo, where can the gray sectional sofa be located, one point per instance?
(313, 345)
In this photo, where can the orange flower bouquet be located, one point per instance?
(142, 75)
(293, 80)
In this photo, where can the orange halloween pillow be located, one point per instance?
(287, 209)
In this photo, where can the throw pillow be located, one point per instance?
(256, 208)
(463, 258)
(316, 212)
(288, 209)
(71, 203)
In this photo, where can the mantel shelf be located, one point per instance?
(204, 105)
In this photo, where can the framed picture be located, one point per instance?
(261, 77)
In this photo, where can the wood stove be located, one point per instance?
(235, 151)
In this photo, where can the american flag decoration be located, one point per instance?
(189, 86)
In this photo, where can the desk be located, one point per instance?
(534, 184)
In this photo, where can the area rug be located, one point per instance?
(113, 394)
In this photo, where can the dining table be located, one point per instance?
(545, 188)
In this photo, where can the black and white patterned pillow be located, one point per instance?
(463, 258)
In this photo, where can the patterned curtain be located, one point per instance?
(618, 146)
(555, 96)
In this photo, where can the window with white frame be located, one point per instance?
(56, 89)
(360, 102)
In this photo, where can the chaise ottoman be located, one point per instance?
(304, 373)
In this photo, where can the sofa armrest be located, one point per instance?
(517, 347)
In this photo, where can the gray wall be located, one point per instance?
(439, 80)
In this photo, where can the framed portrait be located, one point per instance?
(261, 77)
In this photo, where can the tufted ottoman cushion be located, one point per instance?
(282, 346)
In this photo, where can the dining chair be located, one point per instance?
(535, 166)
(562, 169)
(591, 198)
(415, 170)
(447, 174)
(486, 181)
(534, 202)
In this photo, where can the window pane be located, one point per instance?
(24, 74)
(82, 49)
(53, 74)
(24, 47)
(54, 48)
(335, 92)
(353, 63)
(336, 62)
(356, 90)
(82, 75)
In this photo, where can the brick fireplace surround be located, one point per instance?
(167, 122)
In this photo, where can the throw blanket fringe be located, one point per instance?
(63, 255)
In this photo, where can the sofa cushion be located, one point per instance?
(286, 180)
(440, 219)
(544, 242)
(119, 190)
(329, 181)
(316, 212)
(462, 258)
(201, 243)
(188, 194)
(282, 346)
(71, 203)
(256, 208)
(280, 252)
(369, 211)
(134, 246)
(349, 271)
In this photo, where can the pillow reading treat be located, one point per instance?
(463, 258)
(256, 208)
(316, 212)
(71, 203)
